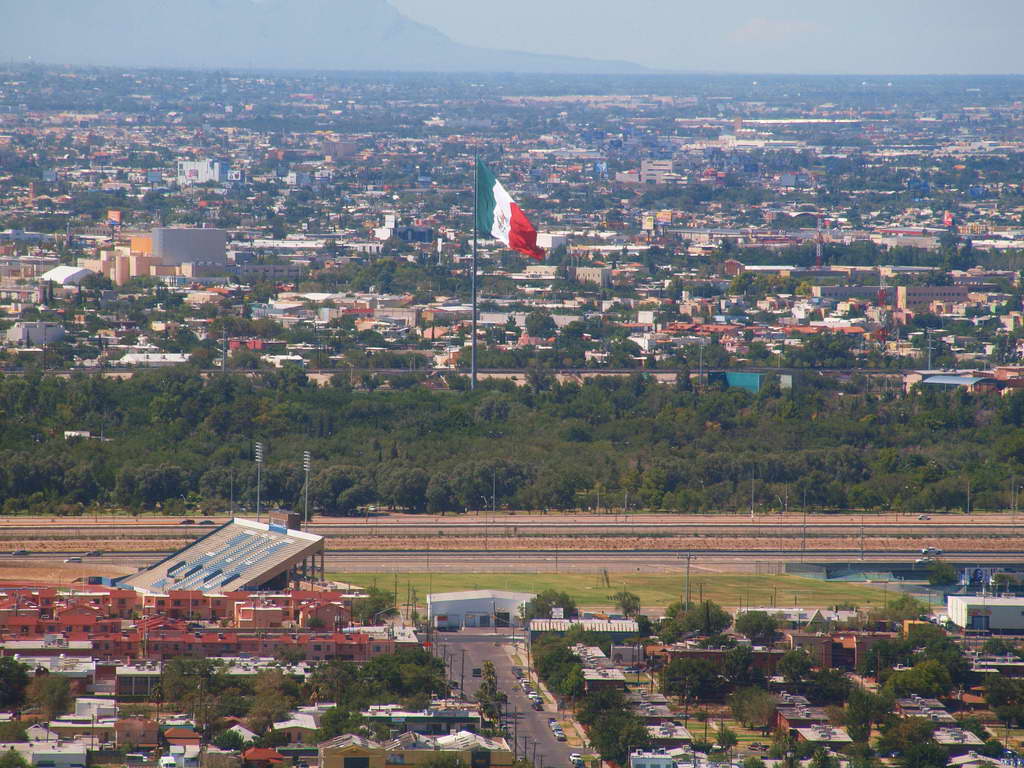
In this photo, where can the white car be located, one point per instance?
(72, 560)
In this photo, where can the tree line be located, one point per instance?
(176, 440)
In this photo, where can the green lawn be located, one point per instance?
(654, 590)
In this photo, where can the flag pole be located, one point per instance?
(472, 280)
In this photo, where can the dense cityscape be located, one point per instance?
(703, 449)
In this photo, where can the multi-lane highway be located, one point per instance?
(524, 524)
(551, 561)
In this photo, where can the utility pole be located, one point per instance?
(259, 465)
(686, 584)
(751, 495)
(306, 460)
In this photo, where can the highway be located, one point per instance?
(553, 561)
(504, 524)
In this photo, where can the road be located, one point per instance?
(766, 561)
(506, 524)
(528, 726)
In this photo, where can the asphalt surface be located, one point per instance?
(503, 524)
(529, 727)
(763, 561)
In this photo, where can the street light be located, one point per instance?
(259, 464)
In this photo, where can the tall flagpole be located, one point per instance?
(476, 190)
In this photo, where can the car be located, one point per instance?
(923, 561)
(72, 559)
(20, 552)
(187, 522)
(517, 672)
(559, 736)
(924, 517)
(552, 721)
(931, 551)
(94, 553)
(537, 705)
(206, 522)
(574, 756)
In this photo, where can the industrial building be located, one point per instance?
(476, 608)
(987, 613)
(240, 555)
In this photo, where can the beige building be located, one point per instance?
(409, 749)
(164, 252)
(920, 297)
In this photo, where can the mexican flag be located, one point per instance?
(499, 217)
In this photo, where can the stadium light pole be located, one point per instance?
(305, 466)
(259, 465)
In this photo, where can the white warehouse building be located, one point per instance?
(476, 608)
(985, 612)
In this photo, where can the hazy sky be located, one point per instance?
(792, 36)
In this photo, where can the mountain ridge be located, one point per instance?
(364, 35)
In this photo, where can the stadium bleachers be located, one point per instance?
(240, 553)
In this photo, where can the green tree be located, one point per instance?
(12, 759)
(726, 738)
(540, 606)
(759, 627)
(50, 694)
(753, 707)
(708, 618)
(691, 679)
(13, 682)
(942, 574)
(795, 665)
(627, 602)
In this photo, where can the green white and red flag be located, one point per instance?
(498, 216)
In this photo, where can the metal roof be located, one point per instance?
(236, 556)
(959, 381)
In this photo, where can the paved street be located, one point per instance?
(528, 726)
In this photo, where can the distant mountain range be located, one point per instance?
(261, 34)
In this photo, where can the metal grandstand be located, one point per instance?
(240, 555)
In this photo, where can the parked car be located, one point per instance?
(536, 704)
(559, 736)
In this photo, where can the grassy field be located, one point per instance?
(654, 590)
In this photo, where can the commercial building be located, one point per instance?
(985, 612)
(920, 297)
(174, 246)
(34, 334)
(441, 717)
(164, 252)
(476, 608)
(470, 749)
(205, 171)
